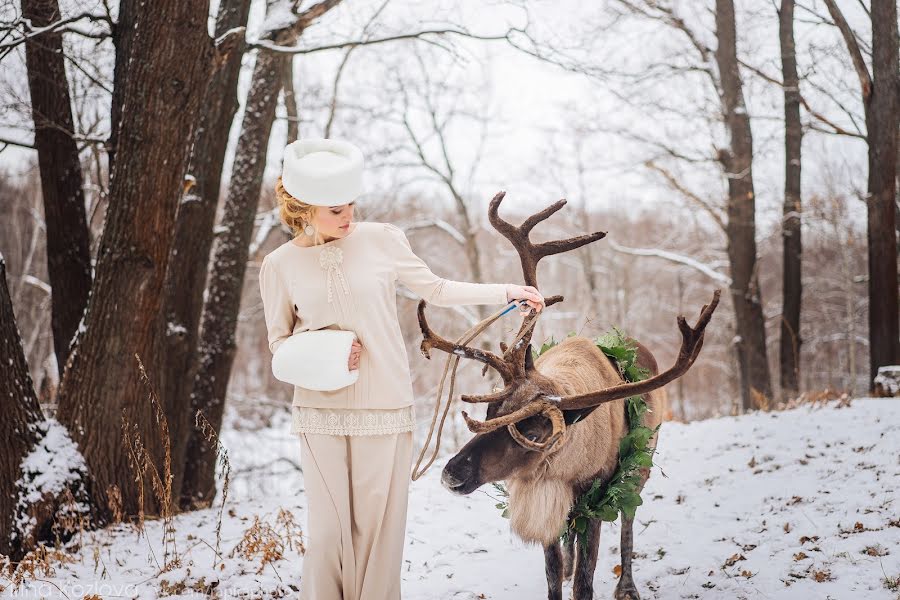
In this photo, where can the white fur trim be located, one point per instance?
(316, 360)
(323, 172)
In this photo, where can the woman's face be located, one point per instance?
(334, 221)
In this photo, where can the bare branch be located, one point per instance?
(835, 128)
(673, 181)
(865, 79)
(265, 45)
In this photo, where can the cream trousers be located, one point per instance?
(357, 489)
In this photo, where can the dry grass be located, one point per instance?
(267, 543)
(209, 433)
(38, 564)
(811, 398)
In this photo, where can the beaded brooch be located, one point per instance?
(330, 259)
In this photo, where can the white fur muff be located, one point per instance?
(316, 360)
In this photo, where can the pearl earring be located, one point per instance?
(309, 230)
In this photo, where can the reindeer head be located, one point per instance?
(527, 419)
(534, 428)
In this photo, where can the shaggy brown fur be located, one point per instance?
(540, 499)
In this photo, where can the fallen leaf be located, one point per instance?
(821, 576)
(735, 558)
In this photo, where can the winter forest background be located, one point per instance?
(646, 116)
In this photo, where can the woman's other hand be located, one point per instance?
(355, 349)
(525, 292)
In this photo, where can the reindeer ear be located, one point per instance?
(529, 359)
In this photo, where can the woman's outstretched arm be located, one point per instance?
(412, 272)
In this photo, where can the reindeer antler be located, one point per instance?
(432, 340)
(529, 255)
(511, 365)
(691, 342)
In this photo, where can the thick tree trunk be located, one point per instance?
(881, 124)
(228, 266)
(741, 228)
(189, 259)
(28, 513)
(68, 243)
(170, 59)
(792, 286)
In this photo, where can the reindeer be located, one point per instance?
(555, 426)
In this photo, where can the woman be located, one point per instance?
(356, 441)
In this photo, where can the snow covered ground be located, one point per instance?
(799, 504)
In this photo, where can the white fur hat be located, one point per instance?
(323, 172)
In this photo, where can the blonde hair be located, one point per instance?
(294, 213)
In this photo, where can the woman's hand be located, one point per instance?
(528, 293)
(355, 349)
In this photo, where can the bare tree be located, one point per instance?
(228, 263)
(881, 101)
(68, 238)
(792, 286)
(721, 68)
(440, 106)
(189, 261)
(737, 162)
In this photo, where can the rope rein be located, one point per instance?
(450, 366)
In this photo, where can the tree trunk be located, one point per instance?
(215, 354)
(228, 266)
(169, 58)
(189, 258)
(792, 286)
(27, 512)
(21, 416)
(741, 228)
(68, 243)
(881, 125)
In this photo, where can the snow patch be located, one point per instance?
(52, 465)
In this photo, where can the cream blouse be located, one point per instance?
(350, 283)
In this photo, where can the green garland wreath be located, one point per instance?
(621, 494)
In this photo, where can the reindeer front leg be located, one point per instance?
(586, 551)
(553, 565)
(626, 590)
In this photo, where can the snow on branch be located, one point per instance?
(69, 24)
(673, 257)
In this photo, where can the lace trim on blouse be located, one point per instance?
(352, 421)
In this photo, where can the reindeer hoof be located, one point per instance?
(627, 591)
